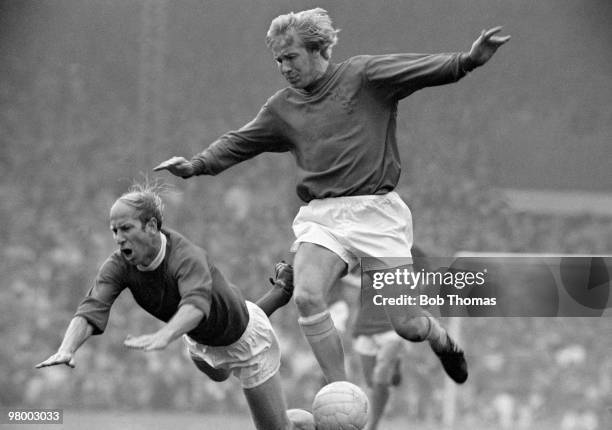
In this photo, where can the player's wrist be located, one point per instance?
(467, 63)
(197, 167)
(65, 352)
(167, 334)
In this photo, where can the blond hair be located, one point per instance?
(313, 27)
(146, 200)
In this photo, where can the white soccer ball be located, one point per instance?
(301, 419)
(340, 406)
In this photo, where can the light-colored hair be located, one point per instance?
(313, 27)
(146, 200)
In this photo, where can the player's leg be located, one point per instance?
(268, 406)
(379, 396)
(281, 291)
(415, 324)
(396, 379)
(316, 270)
(378, 393)
(379, 357)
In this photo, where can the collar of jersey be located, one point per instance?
(158, 258)
(319, 83)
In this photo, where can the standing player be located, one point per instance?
(175, 281)
(339, 121)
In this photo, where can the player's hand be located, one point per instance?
(178, 166)
(485, 46)
(59, 357)
(283, 275)
(147, 342)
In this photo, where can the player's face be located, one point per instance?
(299, 66)
(136, 241)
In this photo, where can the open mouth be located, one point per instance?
(127, 253)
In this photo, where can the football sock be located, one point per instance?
(325, 343)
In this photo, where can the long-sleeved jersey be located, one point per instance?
(184, 276)
(342, 131)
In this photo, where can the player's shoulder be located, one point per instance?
(178, 240)
(355, 67)
(182, 248)
(277, 98)
(114, 266)
(358, 62)
(173, 235)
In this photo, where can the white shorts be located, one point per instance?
(358, 226)
(387, 347)
(254, 358)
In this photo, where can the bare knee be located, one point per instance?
(316, 271)
(309, 300)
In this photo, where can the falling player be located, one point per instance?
(176, 282)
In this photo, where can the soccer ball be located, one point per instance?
(340, 406)
(301, 419)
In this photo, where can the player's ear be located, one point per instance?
(152, 225)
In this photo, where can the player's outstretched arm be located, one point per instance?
(78, 332)
(186, 319)
(178, 166)
(485, 46)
